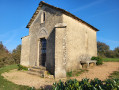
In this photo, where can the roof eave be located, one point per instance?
(62, 10)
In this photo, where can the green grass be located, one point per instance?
(7, 85)
(76, 73)
(115, 74)
(111, 59)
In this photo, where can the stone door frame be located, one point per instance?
(39, 51)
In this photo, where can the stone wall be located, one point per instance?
(60, 51)
(44, 30)
(25, 49)
(80, 42)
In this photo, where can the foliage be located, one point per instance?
(116, 50)
(111, 84)
(69, 74)
(110, 54)
(3, 50)
(103, 50)
(7, 85)
(110, 59)
(7, 58)
(115, 74)
(97, 83)
(6, 61)
(86, 84)
(16, 53)
(20, 67)
(98, 59)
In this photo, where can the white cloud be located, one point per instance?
(87, 5)
(103, 13)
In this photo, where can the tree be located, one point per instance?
(110, 54)
(16, 53)
(5, 56)
(3, 51)
(116, 51)
(102, 48)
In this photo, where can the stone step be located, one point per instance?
(39, 67)
(36, 70)
(39, 71)
(36, 73)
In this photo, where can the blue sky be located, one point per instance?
(102, 14)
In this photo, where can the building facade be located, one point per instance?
(57, 40)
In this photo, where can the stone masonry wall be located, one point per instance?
(39, 30)
(80, 42)
(60, 51)
(25, 49)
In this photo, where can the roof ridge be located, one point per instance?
(62, 10)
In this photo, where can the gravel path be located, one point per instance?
(102, 72)
(22, 78)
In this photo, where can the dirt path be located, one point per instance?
(22, 78)
(102, 72)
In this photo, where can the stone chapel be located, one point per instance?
(57, 40)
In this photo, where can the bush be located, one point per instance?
(6, 61)
(85, 84)
(111, 84)
(20, 67)
(98, 59)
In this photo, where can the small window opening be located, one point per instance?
(43, 17)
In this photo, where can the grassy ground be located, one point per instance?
(115, 74)
(111, 59)
(7, 85)
(76, 73)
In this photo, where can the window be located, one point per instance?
(43, 45)
(43, 17)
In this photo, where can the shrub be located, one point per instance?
(97, 83)
(6, 61)
(71, 85)
(98, 59)
(20, 67)
(111, 84)
(86, 84)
